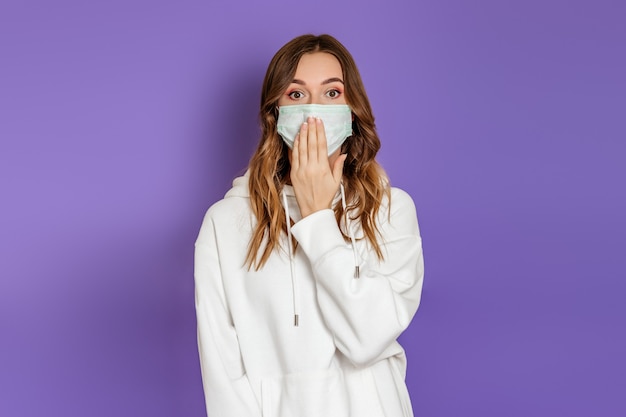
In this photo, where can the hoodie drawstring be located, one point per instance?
(292, 266)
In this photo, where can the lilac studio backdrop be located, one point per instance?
(122, 121)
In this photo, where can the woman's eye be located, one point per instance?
(333, 93)
(296, 95)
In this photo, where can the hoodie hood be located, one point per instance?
(240, 187)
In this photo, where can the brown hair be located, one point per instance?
(365, 181)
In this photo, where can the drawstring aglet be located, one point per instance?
(295, 320)
(356, 272)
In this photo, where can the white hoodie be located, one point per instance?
(342, 359)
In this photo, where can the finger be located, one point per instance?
(312, 144)
(322, 145)
(295, 160)
(338, 167)
(302, 150)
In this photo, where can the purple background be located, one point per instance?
(122, 121)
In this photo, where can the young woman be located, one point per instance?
(311, 266)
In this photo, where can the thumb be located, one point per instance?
(338, 167)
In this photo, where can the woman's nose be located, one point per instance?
(314, 98)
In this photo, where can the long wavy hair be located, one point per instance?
(365, 182)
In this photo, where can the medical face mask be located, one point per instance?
(337, 120)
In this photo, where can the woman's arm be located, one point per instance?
(227, 390)
(366, 314)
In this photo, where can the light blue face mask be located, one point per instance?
(337, 120)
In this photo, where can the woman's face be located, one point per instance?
(318, 80)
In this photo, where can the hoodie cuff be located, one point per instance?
(318, 234)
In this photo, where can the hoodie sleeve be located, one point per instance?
(367, 314)
(227, 390)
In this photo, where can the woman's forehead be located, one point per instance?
(318, 67)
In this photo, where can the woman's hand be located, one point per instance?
(314, 182)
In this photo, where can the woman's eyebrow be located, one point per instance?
(328, 81)
(332, 80)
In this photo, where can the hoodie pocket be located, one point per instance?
(308, 394)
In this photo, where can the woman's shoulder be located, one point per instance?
(225, 217)
(227, 208)
(400, 199)
(398, 194)
(236, 200)
(399, 210)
